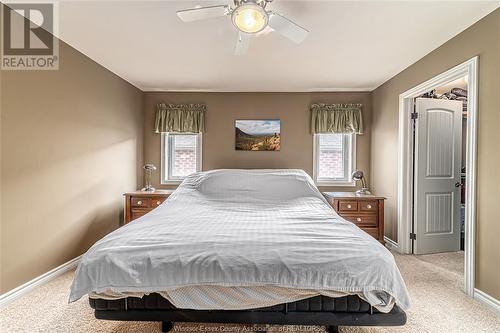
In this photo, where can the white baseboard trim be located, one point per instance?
(391, 245)
(487, 300)
(14, 294)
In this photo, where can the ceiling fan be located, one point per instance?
(249, 17)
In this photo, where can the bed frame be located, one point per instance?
(320, 310)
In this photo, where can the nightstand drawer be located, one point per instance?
(155, 202)
(361, 220)
(374, 232)
(136, 213)
(140, 202)
(368, 206)
(348, 206)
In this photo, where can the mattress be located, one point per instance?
(242, 231)
(155, 301)
(222, 297)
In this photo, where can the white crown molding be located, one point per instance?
(487, 300)
(22, 290)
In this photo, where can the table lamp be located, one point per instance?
(148, 173)
(359, 176)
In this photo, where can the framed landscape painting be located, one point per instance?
(258, 135)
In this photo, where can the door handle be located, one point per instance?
(458, 184)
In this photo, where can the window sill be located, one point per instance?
(335, 183)
(171, 182)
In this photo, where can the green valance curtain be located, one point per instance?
(187, 118)
(336, 118)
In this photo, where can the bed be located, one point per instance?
(261, 245)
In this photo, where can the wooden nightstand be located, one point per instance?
(139, 203)
(366, 211)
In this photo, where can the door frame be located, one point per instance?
(405, 173)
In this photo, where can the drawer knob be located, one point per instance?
(358, 219)
(369, 206)
(349, 206)
(139, 202)
(158, 203)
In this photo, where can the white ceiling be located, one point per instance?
(352, 45)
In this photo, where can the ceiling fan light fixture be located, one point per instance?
(250, 18)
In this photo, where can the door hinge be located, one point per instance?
(413, 236)
(414, 115)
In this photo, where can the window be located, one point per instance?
(181, 156)
(334, 159)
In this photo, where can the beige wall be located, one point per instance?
(482, 39)
(71, 144)
(224, 108)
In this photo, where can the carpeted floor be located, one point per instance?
(434, 282)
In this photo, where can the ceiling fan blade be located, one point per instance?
(287, 28)
(202, 13)
(242, 43)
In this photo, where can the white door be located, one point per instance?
(438, 140)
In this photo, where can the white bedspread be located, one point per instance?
(238, 229)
